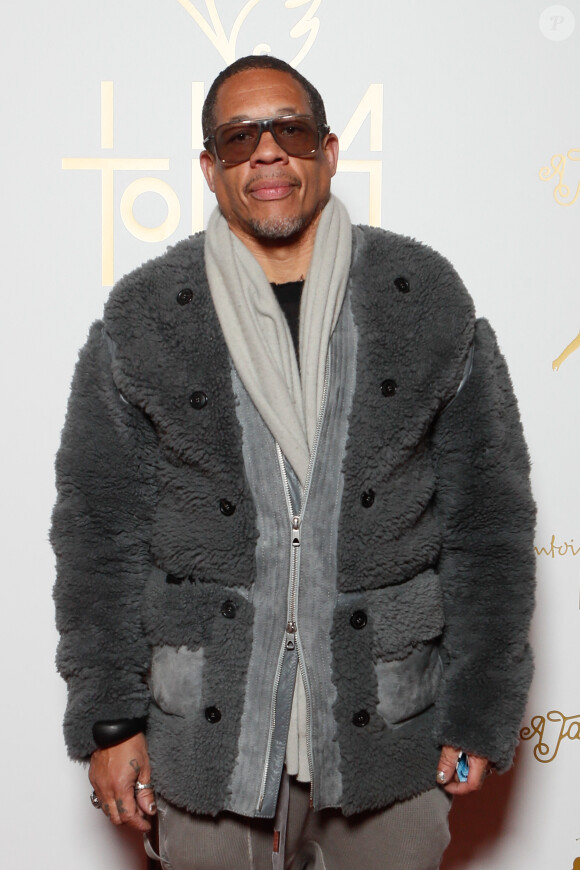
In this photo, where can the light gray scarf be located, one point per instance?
(257, 333)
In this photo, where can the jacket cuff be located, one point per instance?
(96, 698)
(480, 713)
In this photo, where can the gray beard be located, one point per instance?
(278, 228)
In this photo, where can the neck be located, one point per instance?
(282, 260)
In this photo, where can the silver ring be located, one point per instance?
(95, 801)
(141, 786)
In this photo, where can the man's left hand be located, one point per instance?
(114, 773)
(478, 770)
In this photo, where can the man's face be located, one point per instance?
(271, 196)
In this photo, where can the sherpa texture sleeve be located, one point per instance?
(106, 495)
(487, 564)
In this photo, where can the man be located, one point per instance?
(294, 523)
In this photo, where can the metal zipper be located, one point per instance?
(291, 637)
(272, 724)
(295, 529)
(301, 664)
(289, 641)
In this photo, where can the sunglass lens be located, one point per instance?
(235, 143)
(297, 136)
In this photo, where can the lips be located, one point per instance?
(271, 188)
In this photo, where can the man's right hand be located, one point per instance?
(113, 774)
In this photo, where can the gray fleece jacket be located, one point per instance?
(411, 578)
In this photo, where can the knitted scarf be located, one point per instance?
(257, 334)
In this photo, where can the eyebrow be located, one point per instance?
(285, 110)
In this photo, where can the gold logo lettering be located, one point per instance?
(574, 345)
(307, 26)
(107, 166)
(371, 105)
(555, 169)
(565, 728)
(213, 28)
(566, 548)
(166, 227)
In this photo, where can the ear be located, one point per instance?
(330, 151)
(207, 161)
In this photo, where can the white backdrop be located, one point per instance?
(459, 125)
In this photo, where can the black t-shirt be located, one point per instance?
(288, 296)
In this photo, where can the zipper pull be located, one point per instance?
(295, 531)
(290, 631)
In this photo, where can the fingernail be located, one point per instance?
(441, 777)
(152, 807)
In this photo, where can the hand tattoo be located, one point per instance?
(120, 808)
(135, 765)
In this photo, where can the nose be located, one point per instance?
(268, 151)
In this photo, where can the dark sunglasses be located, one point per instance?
(298, 135)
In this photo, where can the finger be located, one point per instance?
(128, 812)
(145, 797)
(98, 802)
(112, 805)
(146, 801)
(110, 809)
(105, 799)
(478, 768)
(121, 808)
(446, 765)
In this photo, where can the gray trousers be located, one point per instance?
(411, 835)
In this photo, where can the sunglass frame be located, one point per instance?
(267, 125)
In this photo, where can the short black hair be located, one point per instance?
(258, 61)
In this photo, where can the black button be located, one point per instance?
(389, 388)
(172, 578)
(185, 296)
(228, 609)
(361, 719)
(367, 499)
(226, 507)
(198, 400)
(358, 619)
(213, 715)
(402, 284)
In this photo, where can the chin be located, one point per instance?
(278, 227)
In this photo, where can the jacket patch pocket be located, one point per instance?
(406, 687)
(176, 679)
(407, 621)
(406, 615)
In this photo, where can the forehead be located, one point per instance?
(260, 93)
